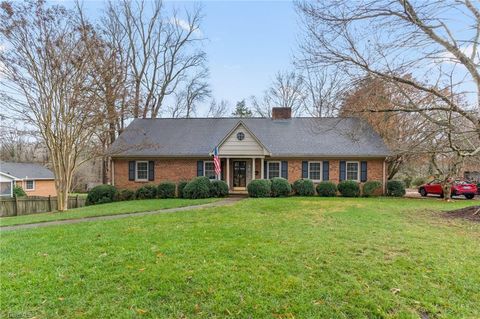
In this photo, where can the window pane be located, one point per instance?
(273, 170)
(142, 170)
(209, 170)
(29, 184)
(314, 171)
(352, 171)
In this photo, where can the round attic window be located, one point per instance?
(240, 136)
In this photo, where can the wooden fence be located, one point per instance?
(35, 204)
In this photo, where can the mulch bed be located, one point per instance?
(467, 213)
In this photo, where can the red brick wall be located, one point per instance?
(42, 188)
(173, 170)
(374, 168)
(176, 170)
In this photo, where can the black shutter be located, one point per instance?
(151, 170)
(363, 171)
(265, 176)
(304, 169)
(343, 171)
(199, 168)
(325, 170)
(285, 169)
(131, 170)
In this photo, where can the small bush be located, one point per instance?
(102, 194)
(349, 188)
(218, 188)
(180, 186)
(199, 187)
(408, 181)
(304, 187)
(166, 190)
(395, 188)
(146, 192)
(419, 181)
(126, 194)
(327, 189)
(370, 188)
(18, 191)
(259, 188)
(280, 187)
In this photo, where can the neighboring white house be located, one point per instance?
(6, 184)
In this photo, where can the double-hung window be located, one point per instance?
(209, 169)
(141, 171)
(353, 171)
(273, 169)
(315, 171)
(30, 185)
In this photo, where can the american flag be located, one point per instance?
(216, 162)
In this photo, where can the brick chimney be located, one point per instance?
(281, 113)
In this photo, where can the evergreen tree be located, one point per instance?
(241, 110)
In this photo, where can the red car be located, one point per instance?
(459, 188)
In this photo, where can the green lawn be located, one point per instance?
(261, 258)
(105, 209)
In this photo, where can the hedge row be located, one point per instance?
(200, 187)
(304, 187)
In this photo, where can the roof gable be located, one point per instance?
(250, 144)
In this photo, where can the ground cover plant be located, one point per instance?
(296, 257)
(122, 207)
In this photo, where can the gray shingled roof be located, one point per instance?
(26, 170)
(294, 137)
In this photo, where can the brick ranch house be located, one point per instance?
(335, 149)
(35, 179)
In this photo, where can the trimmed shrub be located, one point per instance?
(166, 190)
(370, 188)
(180, 186)
(126, 194)
(327, 189)
(218, 188)
(349, 188)
(18, 191)
(395, 188)
(259, 188)
(146, 192)
(280, 187)
(304, 187)
(199, 187)
(102, 194)
(419, 181)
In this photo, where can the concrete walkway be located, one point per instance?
(225, 202)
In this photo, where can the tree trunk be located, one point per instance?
(62, 199)
(447, 190)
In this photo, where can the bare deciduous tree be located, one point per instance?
(46, 81)
(196, 90)
(286, 90)
(218, 109)
(162, 49)
(324, 89)
(394, 39)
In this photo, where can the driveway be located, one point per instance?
(413, 193)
